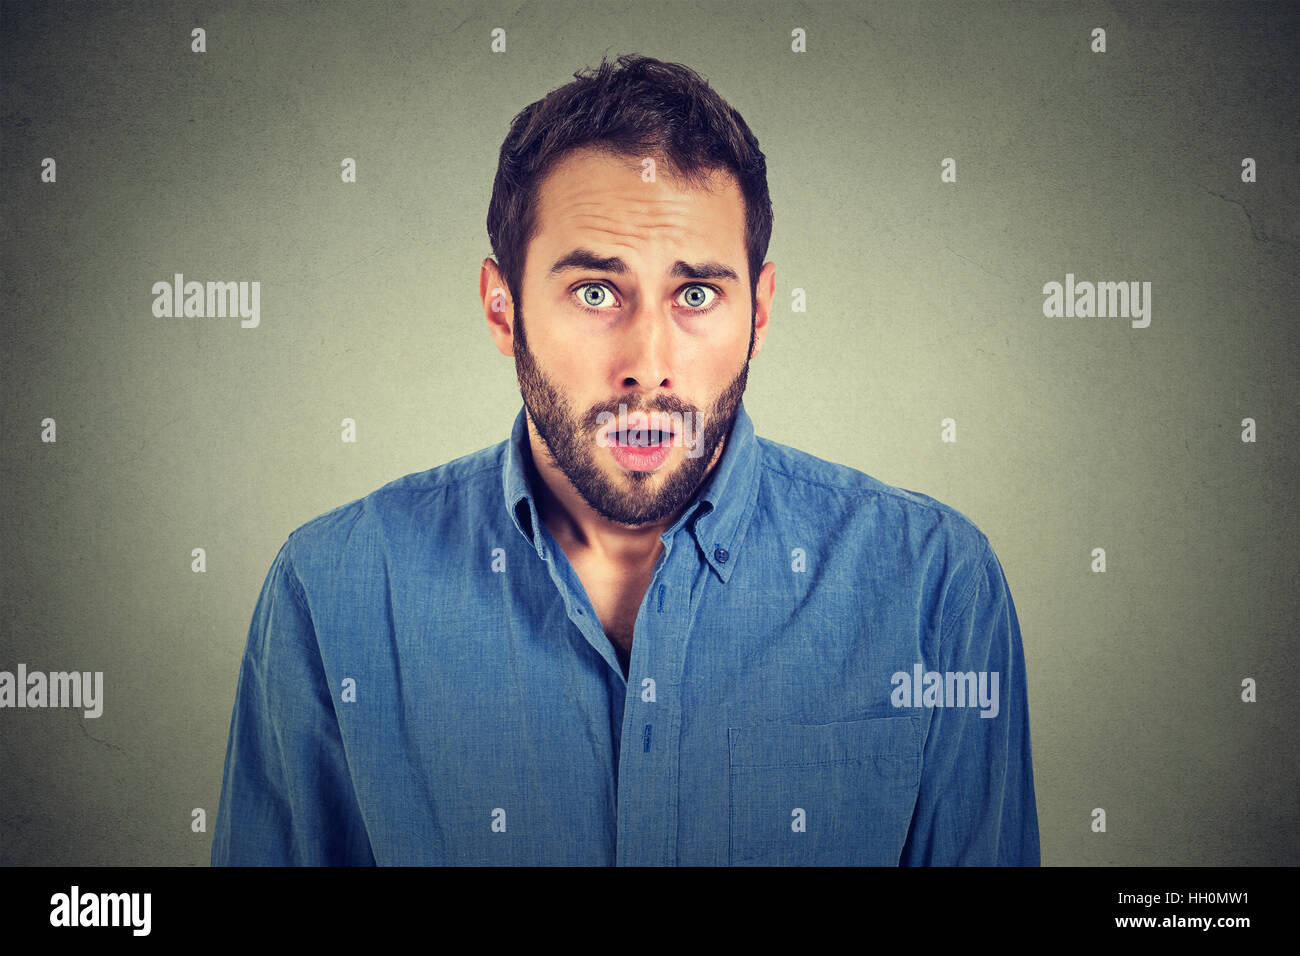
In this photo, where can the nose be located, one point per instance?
(646, 353)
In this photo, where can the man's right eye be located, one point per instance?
(593, 295)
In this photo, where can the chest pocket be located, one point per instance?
(836, 794)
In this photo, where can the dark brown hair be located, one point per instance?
(639, 107)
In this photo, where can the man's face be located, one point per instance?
(638, 308)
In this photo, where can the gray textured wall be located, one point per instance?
(924, 302)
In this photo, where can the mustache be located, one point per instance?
(599, 414)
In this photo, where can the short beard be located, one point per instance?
(570, 440)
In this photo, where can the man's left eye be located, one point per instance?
(698, 296)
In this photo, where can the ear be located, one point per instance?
(764, 290)
(498, 308)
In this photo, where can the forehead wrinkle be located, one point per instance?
(628, 218)
(657, 209)
(644, 231)
(601, 218)
(640, 204)
(633, 236)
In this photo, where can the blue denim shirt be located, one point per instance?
(825, 670)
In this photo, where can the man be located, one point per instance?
(633, 633)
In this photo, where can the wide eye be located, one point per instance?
(700, 298)
(594, 295)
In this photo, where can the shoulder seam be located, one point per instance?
(494, 467)
(812, 481)
(886, 490)
(295, 585)
(967, 598)
(389, 487)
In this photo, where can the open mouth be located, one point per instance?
(641, 437)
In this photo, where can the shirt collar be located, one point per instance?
(717, 517)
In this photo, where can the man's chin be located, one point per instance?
(636, 497)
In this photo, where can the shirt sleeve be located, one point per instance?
(976, 802)
(287, 796)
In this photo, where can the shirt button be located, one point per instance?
(721, 554)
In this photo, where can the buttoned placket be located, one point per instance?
(647, 769)
(648, 754)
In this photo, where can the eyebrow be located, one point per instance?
(585, 259)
